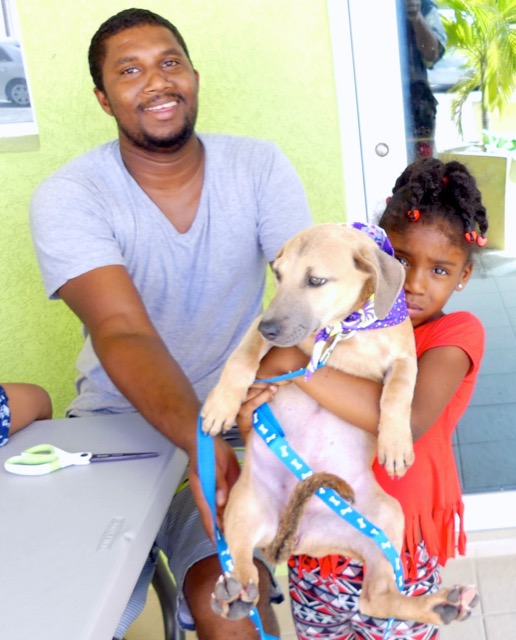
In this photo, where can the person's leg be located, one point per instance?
(195, 566)
(427, 581)
(348, 580)
(325, 595)
(376, 629)
(322, 606)
(198, 587)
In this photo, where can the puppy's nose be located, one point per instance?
(270, 329)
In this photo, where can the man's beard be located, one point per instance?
(172, 143)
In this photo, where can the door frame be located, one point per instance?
(371, 122)
(371, 117)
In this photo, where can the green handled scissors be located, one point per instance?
(45, 458)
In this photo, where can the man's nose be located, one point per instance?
(157, 80)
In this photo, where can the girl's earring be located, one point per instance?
(460, 285)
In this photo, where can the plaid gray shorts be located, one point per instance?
(184, 541)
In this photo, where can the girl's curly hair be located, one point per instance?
(432, 192)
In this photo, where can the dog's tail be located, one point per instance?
(281, 547)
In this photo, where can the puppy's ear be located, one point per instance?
(388, 277)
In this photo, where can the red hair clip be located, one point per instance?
(472, 236)
(388, 199)
(413, 215)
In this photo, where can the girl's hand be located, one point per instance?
(257, 395)
(277, 362)
(281, 360)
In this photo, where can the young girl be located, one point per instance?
(20, 404)
(435, 221)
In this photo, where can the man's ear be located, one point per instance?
(103, 101)
(465, 276)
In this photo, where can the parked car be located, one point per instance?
(13, 83)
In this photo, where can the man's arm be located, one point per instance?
(428, 43)
(140, 365)
(132, 352)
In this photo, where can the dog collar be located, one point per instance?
(364, 318)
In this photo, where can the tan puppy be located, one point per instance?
(322, 275)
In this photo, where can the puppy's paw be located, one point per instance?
(231, 600)
(395, 452)
(456, 604)
(220, 410)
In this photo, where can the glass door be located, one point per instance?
(370, 100)
(380, 134)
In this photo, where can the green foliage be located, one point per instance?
(495, 142)
(485, 32)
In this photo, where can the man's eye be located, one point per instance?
(313, 281)
(129, 71)
(170, 63)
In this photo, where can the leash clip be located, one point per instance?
(343, 335)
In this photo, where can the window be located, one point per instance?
(17, 119)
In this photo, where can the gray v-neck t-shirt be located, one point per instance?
(201, 288)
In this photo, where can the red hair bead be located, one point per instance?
(481, 241)
(414, 215)
(470, 236)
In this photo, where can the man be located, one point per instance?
(426, 42)
(159, 243)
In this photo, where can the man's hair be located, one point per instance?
(124, 20)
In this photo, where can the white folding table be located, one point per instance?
(73, 543)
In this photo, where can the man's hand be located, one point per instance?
(412, 9)
(227, 472)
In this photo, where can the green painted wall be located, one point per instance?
(266, 71)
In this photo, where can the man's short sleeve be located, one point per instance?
(283, 205)
(434, 21)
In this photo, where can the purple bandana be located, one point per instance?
(364, 318)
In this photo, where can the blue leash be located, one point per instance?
(207, 476)
(268, 428)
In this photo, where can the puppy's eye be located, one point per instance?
(313, 281)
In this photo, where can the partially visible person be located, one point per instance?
(20, 404)
(436, 222)
(159, 242)
(426, 43)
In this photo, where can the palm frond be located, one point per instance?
(485, 33)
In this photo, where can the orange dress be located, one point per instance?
(430, 493)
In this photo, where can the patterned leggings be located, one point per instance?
(325, 601)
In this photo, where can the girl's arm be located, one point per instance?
(27, 402)
(357, 400)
